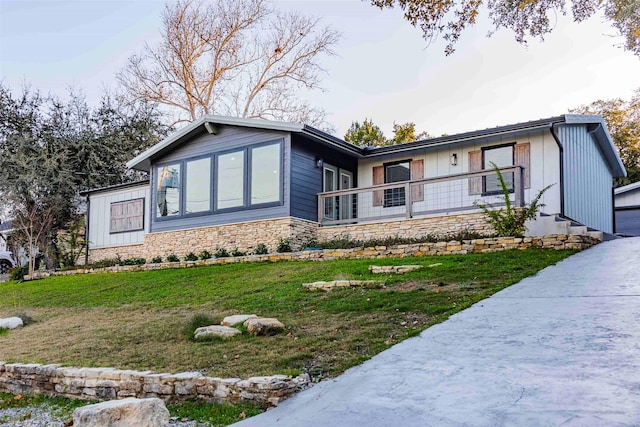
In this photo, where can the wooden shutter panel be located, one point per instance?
(522, 158)
(475, 165)
(417, 172)
(378, 178)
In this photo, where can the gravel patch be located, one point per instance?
(49, 416)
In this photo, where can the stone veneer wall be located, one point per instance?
(407, 228)
(108, 383)
(243, 236)
(494, 244)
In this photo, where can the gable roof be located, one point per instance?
(598, 129)
(626, 188)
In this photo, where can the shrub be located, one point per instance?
(18, 273)
(311, 243)
(107, 262)
(173, 258)
(71, 244)
(222, 253)
(284, 245)
(261, 249)
(156, 260)
(204, 255)
(510, 221)
(190, 257)
(199, 320)
(237, 252)
(134, 261)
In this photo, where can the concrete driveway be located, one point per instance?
(560, 348)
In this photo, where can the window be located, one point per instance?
(127, 216)
(168, 190)
(198, 186)
(396, 172)
(501, 156)
(265, 174)
(230, 170)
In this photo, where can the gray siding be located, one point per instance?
(306, 178)
(587, 179)
(227, 138)
(628, 221)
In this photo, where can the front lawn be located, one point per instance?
(136, 320)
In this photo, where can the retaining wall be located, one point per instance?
(107, 384)
(556, 241)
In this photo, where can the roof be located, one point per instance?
(144, 182)
(626, 188)
(6, 226)
(598, 129)
(143, 160)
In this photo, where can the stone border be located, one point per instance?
(109, 383)
(494, 244)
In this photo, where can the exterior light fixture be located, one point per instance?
(319, 162)
(454, 159)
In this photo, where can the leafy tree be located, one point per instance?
(526, 18)
(232, 57)
(50, 150)
(623, 120)
(365, 134)
(369, 134)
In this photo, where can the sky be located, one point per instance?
(384, 70)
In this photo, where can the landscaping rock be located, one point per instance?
(327, 286)
(123, 413)
(11, 323)
(216, 330)
(393, 269)
(264, 326)
(236, 318)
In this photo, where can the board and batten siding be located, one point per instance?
(544, 170)
(100, 217)
(587, 179)
(227, 138)
(306, 177)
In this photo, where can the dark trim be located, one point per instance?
(144, 204)
(114, 187)
(183, 195)
(613, 205)
(86, 231)
(627, 208)
(386, 203)
(552, 129)
(484, 166)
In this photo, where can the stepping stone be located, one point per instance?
(394, 269)
(11, 323)
(215, 330)
(123, 413)
(264, 326)
(327, 286)
(236, 318)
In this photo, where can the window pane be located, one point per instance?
(502, 156)
(168, 190)
(265, 174)
(198, 184)
(396, 173)
(230, 191)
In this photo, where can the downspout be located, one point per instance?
(552, 129)
(86, 231)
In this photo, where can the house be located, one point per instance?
(234, 183)
(6, 227)
(627, 202)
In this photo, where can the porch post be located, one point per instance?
(320, 216)
(407, 199)
(518, 187)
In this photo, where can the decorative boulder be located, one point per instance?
(11, 323)
(264, 326)
(215, 330)
(123, 413)
(236, 318)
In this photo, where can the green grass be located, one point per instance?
(137, 320)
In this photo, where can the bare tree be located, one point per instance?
(232, 57)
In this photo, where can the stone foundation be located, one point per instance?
(242, 236)
(495, 244)
(107, 384)
(409, 228)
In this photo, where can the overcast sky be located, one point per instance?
(383, 71)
